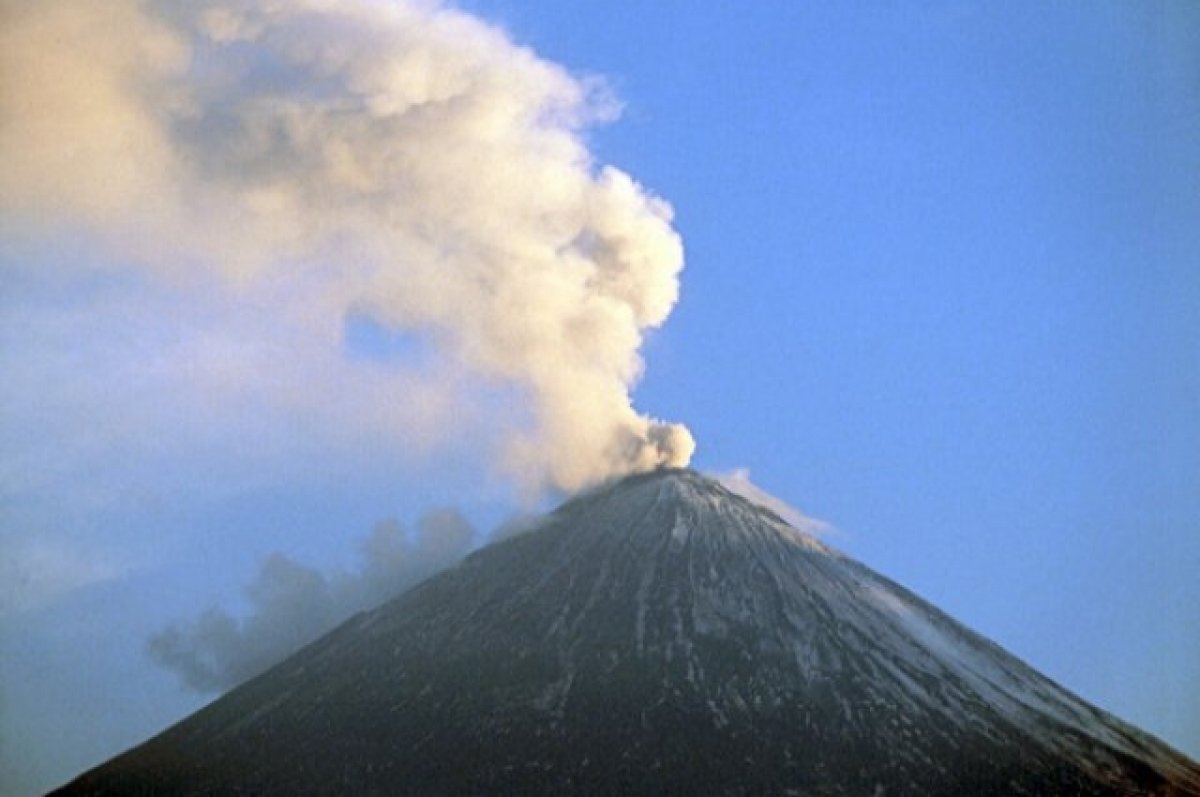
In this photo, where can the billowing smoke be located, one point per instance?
(292, 604)
(308, 161)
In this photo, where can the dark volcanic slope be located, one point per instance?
(657, 636)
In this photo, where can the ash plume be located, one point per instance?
(293, 604)
(283, 165)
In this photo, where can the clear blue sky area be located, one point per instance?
(942, 292)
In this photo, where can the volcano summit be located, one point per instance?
(660, 635)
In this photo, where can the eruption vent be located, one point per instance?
(317, 161)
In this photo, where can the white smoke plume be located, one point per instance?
(288, 164)
(293, 604)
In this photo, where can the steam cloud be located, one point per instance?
(294, 604)
(307, 161)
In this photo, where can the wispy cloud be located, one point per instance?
(36, 571)
(738, 481)
(292, 603)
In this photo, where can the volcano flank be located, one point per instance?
(660, 635)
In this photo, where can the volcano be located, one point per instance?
(660, 635)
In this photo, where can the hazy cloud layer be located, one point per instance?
(36, 571)
(292, 604)
(240, 177)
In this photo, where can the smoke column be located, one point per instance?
(316, 160)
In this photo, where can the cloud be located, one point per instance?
(738, 481)
(198, 196)
(35, 572)
(293, 604)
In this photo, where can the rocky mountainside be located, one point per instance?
(660, 635)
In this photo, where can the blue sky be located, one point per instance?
(942, 291)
